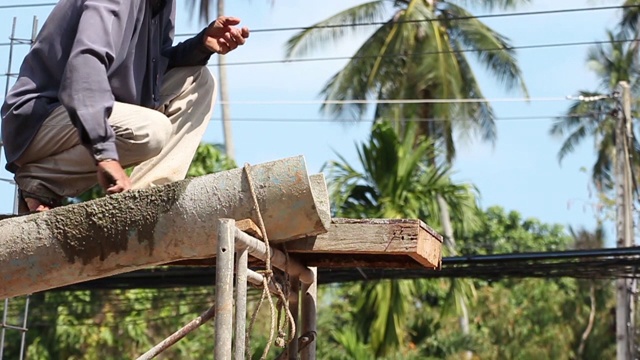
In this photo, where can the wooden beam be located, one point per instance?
(399, 237)
(351, 243)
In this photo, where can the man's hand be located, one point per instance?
(112, 177)
(221, 36)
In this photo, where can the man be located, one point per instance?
(102, 89)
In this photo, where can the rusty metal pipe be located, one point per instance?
(178, 335)
(143, 228)
(258, 249)
(224, 289)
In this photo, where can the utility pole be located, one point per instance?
(224, 98)
(625, 348)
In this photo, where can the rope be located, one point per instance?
(268, 278)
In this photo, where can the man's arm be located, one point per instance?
(85, 91)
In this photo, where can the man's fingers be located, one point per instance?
(237, 36)
(245, 32)
(228, 20)
(224, 46)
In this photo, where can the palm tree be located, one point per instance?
(417, 52)
(614, 62)
(396, 182)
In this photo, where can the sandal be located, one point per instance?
(23, 208)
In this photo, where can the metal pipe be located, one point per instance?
(309, 318)
(294, 308)
(258, 249)
(3, 331)
(23, 336)
(143, 228)
(241, 304)
(178, 335)
(258, 280)
(224, 289)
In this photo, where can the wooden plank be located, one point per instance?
(374, 243)
(400, 237)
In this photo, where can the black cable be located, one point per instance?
(472, 17)
(418, 120)
(521, 47)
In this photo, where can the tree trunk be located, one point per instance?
(450, 243)
(592, 317)
(224, 98)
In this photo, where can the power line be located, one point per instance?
(412, 21)
(398, 101)
(351, 120)
(521, 47)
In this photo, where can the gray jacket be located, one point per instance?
(89, 54)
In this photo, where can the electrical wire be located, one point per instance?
(395, 101)
(418, 120)
(460, 18)
(427, 53)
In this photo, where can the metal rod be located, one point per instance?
(10, 63)
(178, 335)
(308, 315)
(12, 327)
(241, 304)
(294, 307)
(258, 249)
(224, 289)
(23, 336)
(258, 280)
(5, 313)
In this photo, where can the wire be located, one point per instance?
(521, 47)
(472, 17)
(347, 120)
(394, 101)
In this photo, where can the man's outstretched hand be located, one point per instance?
(222, 36)
(112, 177)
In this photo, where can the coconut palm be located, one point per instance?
(596, 118)
(418, 52)
(396, 182)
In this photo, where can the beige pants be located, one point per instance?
(160, 142)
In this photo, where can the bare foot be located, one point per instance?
(35, 205)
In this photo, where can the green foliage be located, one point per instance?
(210, 158)
(501, 232)
(398, 181)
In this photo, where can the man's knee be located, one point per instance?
(206, 82)
(158, 136)
(145, 141)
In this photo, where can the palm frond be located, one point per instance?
(324, 34)
(491, 4)
(476, 35)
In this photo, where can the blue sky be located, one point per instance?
(520, 172)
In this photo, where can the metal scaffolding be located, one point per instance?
(233, 250)
(5, 325)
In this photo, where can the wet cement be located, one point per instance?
(98, 228)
